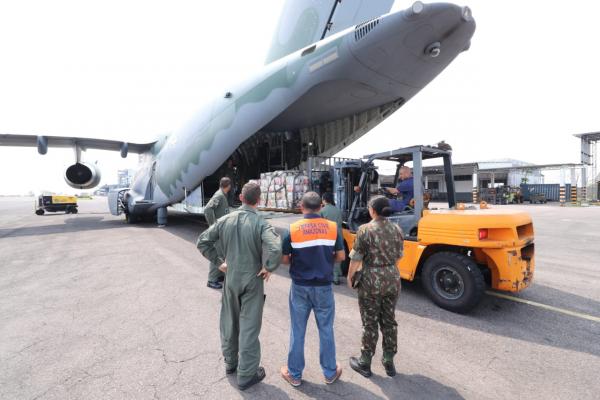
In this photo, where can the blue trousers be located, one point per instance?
(303, 300)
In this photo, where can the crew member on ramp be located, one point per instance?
(217, 207)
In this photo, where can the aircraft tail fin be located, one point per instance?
(304, 22)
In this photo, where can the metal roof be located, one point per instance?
(405, 154)
(590, 137)
(504, 168)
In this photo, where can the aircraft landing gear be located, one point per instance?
(131, 219)
(161, 216)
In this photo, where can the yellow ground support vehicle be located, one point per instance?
(68, 204)
(455, 250)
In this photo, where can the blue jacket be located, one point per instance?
(311, 243)
(407, 192)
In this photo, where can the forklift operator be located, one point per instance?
(404, 188)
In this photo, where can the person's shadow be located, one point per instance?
(414, 387)
(262, 390)
(340, 389)
(399, 387)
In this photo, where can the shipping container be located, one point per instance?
(550, 190)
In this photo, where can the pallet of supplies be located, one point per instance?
(282, 189)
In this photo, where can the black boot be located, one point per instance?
(259, 376)
(388, 364)
(361, 366)
(230, 369)
(214, 285)
(230, 366)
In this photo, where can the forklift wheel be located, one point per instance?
(453, 281)
(74, 210)
(39, 211)
(131, 219)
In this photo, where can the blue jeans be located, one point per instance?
(319, 299)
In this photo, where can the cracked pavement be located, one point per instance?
(92, 308)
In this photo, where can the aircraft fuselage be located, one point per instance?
(385, 60)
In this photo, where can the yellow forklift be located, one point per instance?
(456, 250)
(53, 203)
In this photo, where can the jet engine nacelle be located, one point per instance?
(82, 175)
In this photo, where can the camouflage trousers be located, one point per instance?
(377, 295)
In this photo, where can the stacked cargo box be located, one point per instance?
(282, 189)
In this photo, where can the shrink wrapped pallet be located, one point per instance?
(283, 189)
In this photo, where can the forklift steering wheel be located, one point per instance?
(383, 192)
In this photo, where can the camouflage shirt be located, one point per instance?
(378, 243)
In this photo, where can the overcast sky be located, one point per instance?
(131, 70)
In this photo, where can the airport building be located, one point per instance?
(494, 181)
(483, 175)
(487, 180)
(589, 160)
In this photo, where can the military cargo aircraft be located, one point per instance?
(334, 71)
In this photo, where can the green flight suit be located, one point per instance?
(231, 173)
(332, 213)
(242, 235)
(216, 207)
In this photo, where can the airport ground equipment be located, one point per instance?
(52, 203)
(455, 251)
(537, 198)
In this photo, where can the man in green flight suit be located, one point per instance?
(241, 236)
(332, 213)
(217, 207)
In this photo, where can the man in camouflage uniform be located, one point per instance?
(378, 246)
(217, 207)
(241, 235)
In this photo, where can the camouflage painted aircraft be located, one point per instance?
(334, 71)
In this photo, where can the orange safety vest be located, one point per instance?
(313, 246)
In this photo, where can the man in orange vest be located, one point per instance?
(312, 246)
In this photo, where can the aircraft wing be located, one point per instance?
(43, 142)
(304, 22)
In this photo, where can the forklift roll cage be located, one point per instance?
(409, 219)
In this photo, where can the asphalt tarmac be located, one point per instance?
(93, 308)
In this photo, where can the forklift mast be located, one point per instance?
(347, 175)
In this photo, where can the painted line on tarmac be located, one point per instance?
(544, 306)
